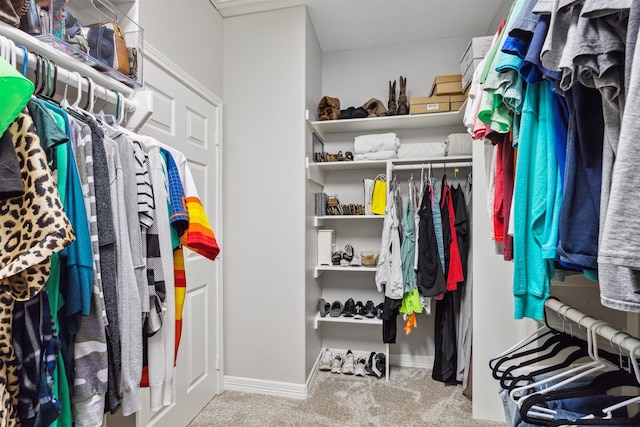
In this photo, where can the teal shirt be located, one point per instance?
(534, 210)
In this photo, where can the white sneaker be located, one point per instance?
(325, 360)
(348, 365)
(336, 364)
(361, 364)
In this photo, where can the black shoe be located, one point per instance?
(379, 310)
(349, 308)
(379, 365)
(336, 309)
(370, 362)
(369, 310)
(359, 113)
(346, 114)
(323, 307)
(359, 310)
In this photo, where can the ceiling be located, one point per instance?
(358, 24)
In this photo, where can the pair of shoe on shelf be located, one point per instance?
(346, 257)
(349, 364)
(328, 157)
(350, 309)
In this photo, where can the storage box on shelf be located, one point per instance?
(473, 54)
(97, 47)
(446, 85)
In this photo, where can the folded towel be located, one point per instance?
(459, 144)
(378, 155)
(422, 150)
(376, 142)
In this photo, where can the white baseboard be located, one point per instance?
(271, 388)
(301, 391)
(411, 361)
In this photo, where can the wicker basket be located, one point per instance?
(369, 258)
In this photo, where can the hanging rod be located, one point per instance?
(426, 165)
(606, 331)
(101, 82)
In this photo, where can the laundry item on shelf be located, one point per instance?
(376, 142)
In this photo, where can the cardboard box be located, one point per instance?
(418, 100)
(450, 88)
(468, 73)
(457, 101)
(476, 49)
(446, 85)
(433, 104)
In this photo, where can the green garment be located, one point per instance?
(411, 302)
(56, 302)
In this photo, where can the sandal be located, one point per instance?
(352, 209)
(348, 156)
(333, 201)
(331, 157)
(336, 257)
(346, 210)
(340, 156)
(348, 252)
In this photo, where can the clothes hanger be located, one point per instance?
(600, 385)
(541, 332)
(499, 359)
(531, 410)
(25, 59)
(559, 341)
(572, 374)
(608, 419)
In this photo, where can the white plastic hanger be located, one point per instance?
(571, 374)
(608, 411)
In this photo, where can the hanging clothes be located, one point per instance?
(26, 268)
(445, 359)
(430, 274)
(450, 238)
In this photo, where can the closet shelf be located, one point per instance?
(326, 127)
(316, 171)
(351, 320)
(319, 220)
(62, 59)
(318, 270)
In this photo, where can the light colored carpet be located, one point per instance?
(410, 398)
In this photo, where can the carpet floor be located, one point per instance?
(410, 398)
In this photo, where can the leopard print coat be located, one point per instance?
(32, 228)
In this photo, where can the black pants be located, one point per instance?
(390, 311)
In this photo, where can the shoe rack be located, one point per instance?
(363, 232)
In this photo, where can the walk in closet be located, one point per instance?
(186, 117)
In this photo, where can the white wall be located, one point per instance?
(189, 33)
(313, 292)
(494, 328)
(502, 12)
(264, 187)
(355, 76)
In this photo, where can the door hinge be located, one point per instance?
(218, 139)
(217, 363)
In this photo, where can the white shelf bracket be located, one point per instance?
(144, 109)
